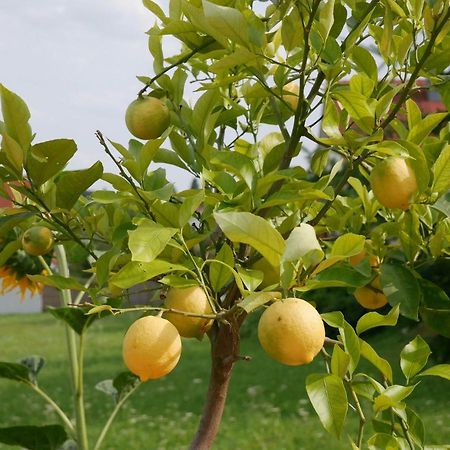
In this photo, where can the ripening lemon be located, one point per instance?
(37, 240)
(354, 260)
(291, 331)
(151, 347)
(290, 94)
(393, 183)
(147, 117)
(193, 300)
(370, 297)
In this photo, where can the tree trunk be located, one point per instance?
(224, 353)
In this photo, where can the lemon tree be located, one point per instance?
(315, 170)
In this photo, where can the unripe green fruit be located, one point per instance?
(37, 240)
(147, 117)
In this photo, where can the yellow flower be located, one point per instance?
(12, 280)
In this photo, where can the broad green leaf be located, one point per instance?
(155, 9)
(47, 159)
(383, 441)
(14, 371)
(14, 152)
(253, 230)
(342, 275)
(334, 319)
(326, 19)
(220, 274)
(413, 357)
(401, 287)
(348, 245)
(365, 62)
(189, 206)
(418, 162)
(392, 397)
(302, 243)
(339, 362)
(436, 307)
(229, 22)
(367, 352)
(440, 370)
(70, 185)
(136, 272)
(351, 345)
(47, 437)
(423, 128)
(8, 250)
(74, 317)
(441, 172)
(374, 319)
(251, 278)
(204, 117)
(257, 299)
(415, 427)
(15, 116)
(57, 281)
(125, 383)
(329, 399)
(177, 282)
(148, 240)
(357, 107)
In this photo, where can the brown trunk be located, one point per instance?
(224, 353)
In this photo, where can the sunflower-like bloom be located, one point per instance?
(10, 280)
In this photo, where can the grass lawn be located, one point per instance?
(267, 408)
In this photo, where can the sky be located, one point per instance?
(75, 64)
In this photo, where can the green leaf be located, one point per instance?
(13, 152)
(423, 128)
(98, 309)
(339, 362)
(401, 287)
(391, 397)
(8, 250)
(48, 158)
(16, 115)
(74, 317)
(342, 275)
(383, 441)
(348, 245)
(57, 281)
(229, 22)
(251, 278)
(440, 370)
(219, 274)
(365, 62)
(357, 107)
(148, 240)
(47, 437)
(257, 299)
(367, 352)
(415, 427)
(177, 282)
(413, 357)
(189, 206)
(374, 319)
(351, 345)
(302, 243)
(14, 371)
(441, 172)
(136, 272)
(253, 230)
(329, 399)
(70, 185)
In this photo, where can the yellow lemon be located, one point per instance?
(147, 117)
(290, 94)
(37, 240)
(191, 300)
(151, 347)
(291, 331)
(393, 183)
(369, 297)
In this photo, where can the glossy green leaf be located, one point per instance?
(440, 370)
(441, 171)
(383, 441)
(15, 116)
(48, 158)
(257, 299)
(391, 397)
(70, 185)
(423, 128)
(401, 287)
(374, 319)
(356, 105)
(189, 206)
(74, 317)
(14, 153)
(47, 437)
(253, 230)
(413, 357)
(57, 281)
(220, 274)
(365, 62)
(8, 250)
(14, 371)
(251, 278)
(367, 352)
(148, 240)
(415, 427)
(339, 361)
(302, 243)
(329, 399)
(347, 245)
(136, 272)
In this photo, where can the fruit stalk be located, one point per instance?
(224, 351)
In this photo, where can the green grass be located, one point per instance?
(267, 408)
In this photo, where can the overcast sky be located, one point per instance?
(75, 64)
